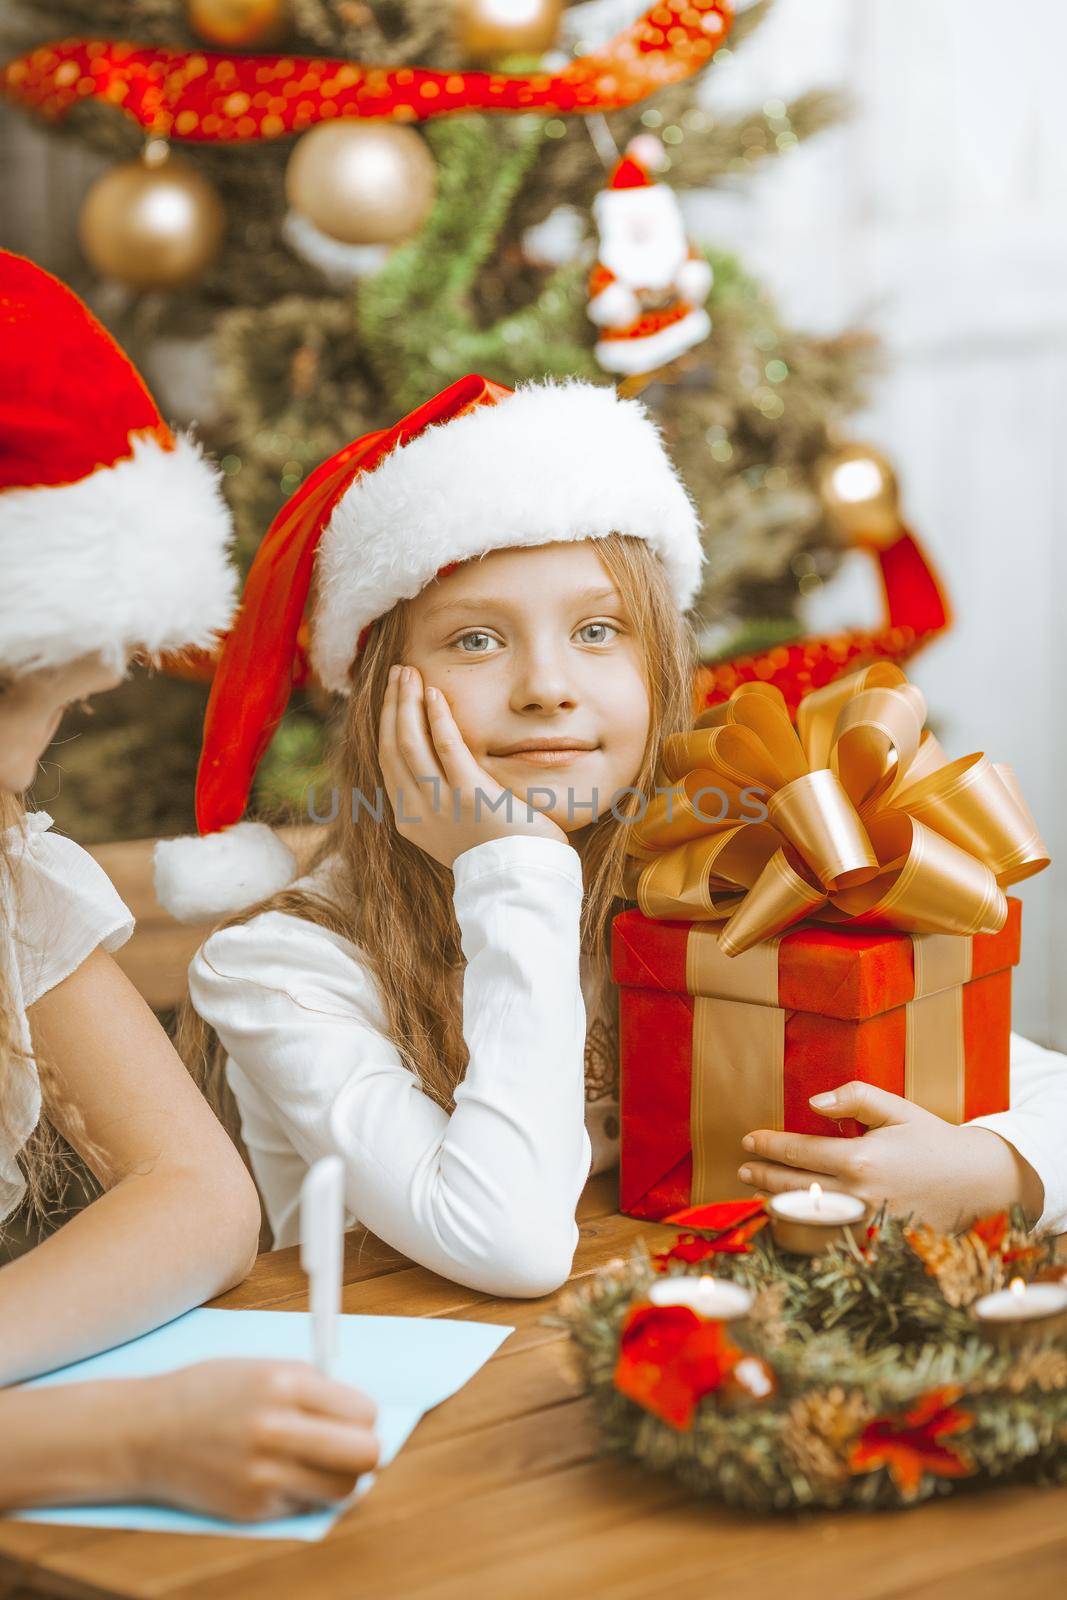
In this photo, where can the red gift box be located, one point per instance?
(712, 1046)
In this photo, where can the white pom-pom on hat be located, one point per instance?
(199, 879)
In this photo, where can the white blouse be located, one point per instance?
(486, 1196)
(56, 906)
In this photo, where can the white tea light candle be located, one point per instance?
(1023, 1311)
(808, 1221)
(708, 1297)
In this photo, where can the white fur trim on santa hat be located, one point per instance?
(642, 353)
(557, 460)
(136, 555)
(199, 879)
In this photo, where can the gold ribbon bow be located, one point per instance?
(855, 816)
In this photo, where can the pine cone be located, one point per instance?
(819, 1428)
(962, 1265)
(766, 1314)
(1044, 1369)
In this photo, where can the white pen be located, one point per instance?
(322, 1253)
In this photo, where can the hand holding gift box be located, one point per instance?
(894, 858)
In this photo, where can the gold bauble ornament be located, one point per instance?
(858, 488)
(492, 29)
(152, 223)
(234, 24)
(363, 182)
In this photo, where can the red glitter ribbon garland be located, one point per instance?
(215, 98)
(916, 610)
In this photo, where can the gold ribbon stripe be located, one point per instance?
(751, 976)
(738, 1062)
(738, 1083)
(934, 1065)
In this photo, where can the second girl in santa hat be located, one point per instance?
(433, 1000)
(114, 541)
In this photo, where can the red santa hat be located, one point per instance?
(114, 533)
(629, 173)
(479, 467)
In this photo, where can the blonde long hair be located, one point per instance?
(380, 875)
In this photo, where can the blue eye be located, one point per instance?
(599, 625)
(473, 635)
(461, 643)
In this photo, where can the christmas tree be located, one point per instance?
(332, 270)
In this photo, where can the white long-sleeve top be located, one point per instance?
(1036, 1124)
(486, 1196)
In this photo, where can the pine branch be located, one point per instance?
(719, 148)
(394, 32)
(746, 20)
(422, 299)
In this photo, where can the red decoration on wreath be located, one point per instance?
(909, 1444)
(869, 1249)
(993, 1232)
(217, 98)
(670, 1358)
(727, 1227)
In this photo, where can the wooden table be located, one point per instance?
(500, 1493)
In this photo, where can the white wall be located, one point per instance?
(937, 215)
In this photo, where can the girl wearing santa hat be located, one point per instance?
(432, 999)
(113, 540)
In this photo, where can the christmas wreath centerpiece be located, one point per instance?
(862, 1376)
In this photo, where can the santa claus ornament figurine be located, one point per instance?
(648, 287)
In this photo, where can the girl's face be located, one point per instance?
(31, 706)
(532, 645)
